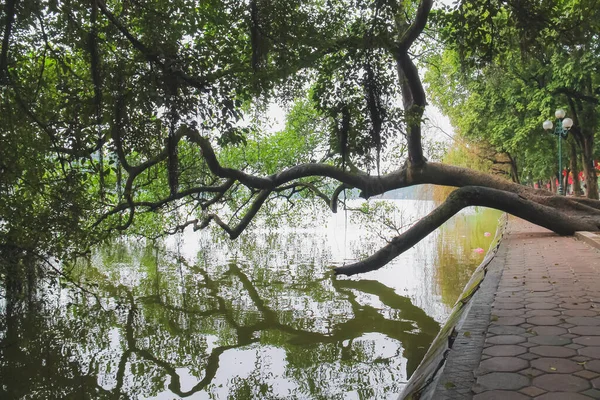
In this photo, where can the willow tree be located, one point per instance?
(117, 115)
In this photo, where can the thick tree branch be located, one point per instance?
(413, 94)
(512, 203)
(273, 181)
(415, 29)
(336, 194)
(9, 12)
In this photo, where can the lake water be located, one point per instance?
(262, 317)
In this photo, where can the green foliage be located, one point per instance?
(506, 68)
(468, 156)
(267, 153)
(92, 95)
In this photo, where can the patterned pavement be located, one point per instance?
(543, 339)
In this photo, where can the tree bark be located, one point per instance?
(574, 168)
(591, 178)
(514, 171)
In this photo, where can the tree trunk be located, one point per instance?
(591, 179)
(574, 168)
(514, 171)
(553, 185)
(555, 219)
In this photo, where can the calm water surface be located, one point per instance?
(259, 318)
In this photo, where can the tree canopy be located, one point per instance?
(149, 116)
(506, 67)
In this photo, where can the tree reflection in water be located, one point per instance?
(252, 321)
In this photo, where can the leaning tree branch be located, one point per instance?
(548, 217)
(281, 178)
(408, 175)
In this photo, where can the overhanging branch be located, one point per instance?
(512, 203)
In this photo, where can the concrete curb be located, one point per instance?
(591, 238)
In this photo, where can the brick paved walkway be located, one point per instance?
(543, 340)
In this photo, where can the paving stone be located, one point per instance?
(500, 395)
(509, 290)
(508, 295)
(504, 381)
(531, 372)
(574, 346)
(509, 299)
(508, 350)
(507, 321)
(549, 340)
(507, 306)
(566, 326)
(556, 365)
(581, 359)
(502, 364)
(580, 313)
(553, 351)
(583, 321)
(586, 374)
(562, 396)
(588, 340)
(561, 382)
(529, 356)
(570, 335)
(586, 330)
(544, 320)
(507, 330)
(541, 306)
(528, 344)
(590, 351)
(537, 295)
(593, 365)
(549, 330)
(532, 391)
(576, 306)
(505, 339)
(541, 313)
(596, 383)
(592, 393)
(510, 313)
(569, 293)
(540, 288)
(510, 285)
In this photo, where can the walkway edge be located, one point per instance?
(591, 238)
(446, 371)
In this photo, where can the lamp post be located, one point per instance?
(561, 131)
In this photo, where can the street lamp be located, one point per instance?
(561, 131)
